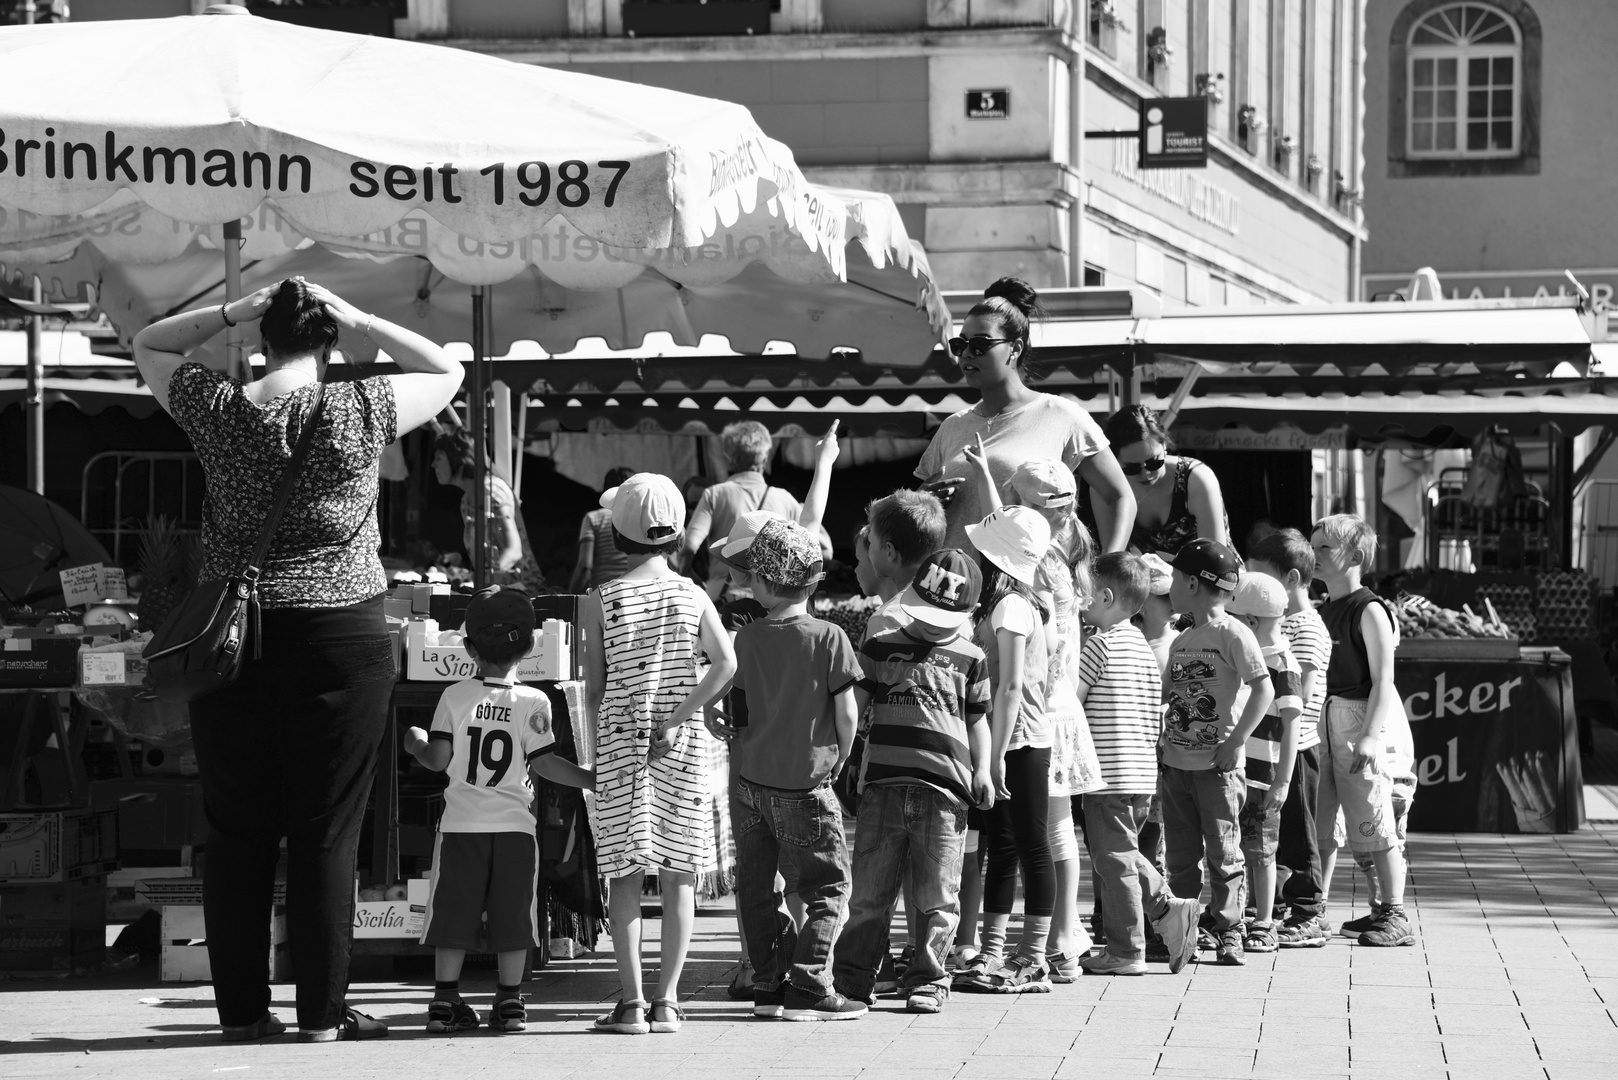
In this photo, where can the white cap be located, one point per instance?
(647, 508)
(1258, 595)
(1013, 538)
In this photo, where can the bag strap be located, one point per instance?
(300, 453)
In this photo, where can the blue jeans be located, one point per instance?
(911, 834)
(1127, 882)
(1201, 809)
(799, 833)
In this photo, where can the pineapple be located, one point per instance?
(169, 560)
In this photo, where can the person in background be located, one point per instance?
(599, 560)
(1156, 618)
(1177, 498)
(485, 860)
(1122, 690)
(1017, 423)
(290, 748)
(748, 448)
(1272, 750)
(653, 810)
(1286, 556)
(510, 557)
(1218, 690)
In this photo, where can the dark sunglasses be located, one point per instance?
(976, 346)
(1135, 468)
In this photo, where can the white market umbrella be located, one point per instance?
(117, 126)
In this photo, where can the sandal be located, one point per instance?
(927, 998)
(741, 985)
(626, 1018)
(355, 1026)
(446, 1016)
(666, 1016)
(266, 1027)
(509, 1014)
(1260, 938)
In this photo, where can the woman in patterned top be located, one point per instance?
(1177, 499)
(289, 749)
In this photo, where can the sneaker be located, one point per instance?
(801, 1005)
(1105, 963)
(1180, 932)
(1063, 968)
(1229, 953)
(1020, 975)
(1353, 928)
(768, 1004)
(1390, 930)
(448, 1015)
(927, 998)
(1303, 932)
(1157, 950)
(887, 979)
(741, 985)
(509, 1015)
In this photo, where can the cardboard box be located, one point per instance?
(405, 918)
(550, 660)
(60, 948)
(184, 955)
(57, 845)
(164, 891)
(39, 661)
(58, 905)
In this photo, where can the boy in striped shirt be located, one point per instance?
(926, 760)
(1287, 557)
(1272, 749)
(1121, 686)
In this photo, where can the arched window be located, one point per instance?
(1465, 84)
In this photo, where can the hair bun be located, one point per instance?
(1018, 293)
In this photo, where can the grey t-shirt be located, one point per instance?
(787, 674)
(722, 504)
(1047, 427)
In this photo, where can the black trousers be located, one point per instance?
(1298, 849)
(1016, 833)
(289, 750)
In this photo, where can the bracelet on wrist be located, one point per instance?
(224, 313)
(369, 319)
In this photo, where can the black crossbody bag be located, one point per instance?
(201, 646)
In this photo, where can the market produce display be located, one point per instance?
(1421, 618)
(849, 613)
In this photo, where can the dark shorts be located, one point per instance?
(1261, 828)
(478, 873)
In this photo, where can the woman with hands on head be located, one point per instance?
(289, 749)
(1017, 423)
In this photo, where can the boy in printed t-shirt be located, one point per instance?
(927, 760)
(1122, 690)
(793, 713)
(1272, 748)
(901, 530)
(492, 730)
(1218, 689)
(1286, 556)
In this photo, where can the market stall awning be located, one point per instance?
(89, 396)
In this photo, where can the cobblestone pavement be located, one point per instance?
(1515, 975)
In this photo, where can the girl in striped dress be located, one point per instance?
(652, 808)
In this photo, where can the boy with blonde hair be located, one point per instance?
(1364, 732)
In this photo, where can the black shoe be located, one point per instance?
(801, 1005)
(1390, 930)
(768, 1004)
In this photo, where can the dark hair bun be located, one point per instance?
(1019, 294)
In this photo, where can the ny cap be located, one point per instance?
(945, 590)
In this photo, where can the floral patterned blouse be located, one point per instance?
(325, 550)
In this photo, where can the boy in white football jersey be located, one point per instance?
(487, 733)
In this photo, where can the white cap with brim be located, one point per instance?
(647, 508)
(732, 549)
(911, 603)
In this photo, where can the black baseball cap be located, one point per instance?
(945, 590)
(1210, 561)
(499, 614)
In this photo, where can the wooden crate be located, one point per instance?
(184, 955)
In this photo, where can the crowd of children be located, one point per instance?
(1007, 698)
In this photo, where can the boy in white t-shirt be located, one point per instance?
(487, 733)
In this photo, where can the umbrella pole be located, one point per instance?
(476, 409)
(35, 422)
(235, 359)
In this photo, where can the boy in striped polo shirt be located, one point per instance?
(927, 759)
(1121, 686)
(1272, 749)
(1287, 557)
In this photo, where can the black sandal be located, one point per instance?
(266, 1027)
(355, 1026)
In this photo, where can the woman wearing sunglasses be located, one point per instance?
(1017, 424)
(1177, 498)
